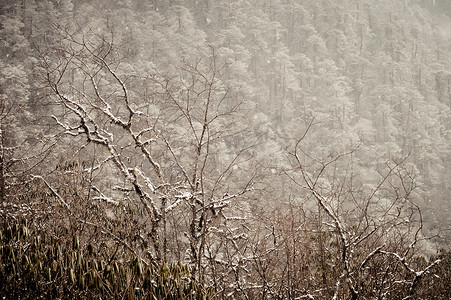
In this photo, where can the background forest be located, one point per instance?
(271, 149)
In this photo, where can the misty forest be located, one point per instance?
(225, 149)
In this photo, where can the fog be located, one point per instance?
(238, 149)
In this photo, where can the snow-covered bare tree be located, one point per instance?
(369, 233)
(161, 150)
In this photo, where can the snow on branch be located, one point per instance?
(54, 192)
(103, 197)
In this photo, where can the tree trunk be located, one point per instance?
(2, 168)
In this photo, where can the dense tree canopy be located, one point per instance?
(291, 149)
